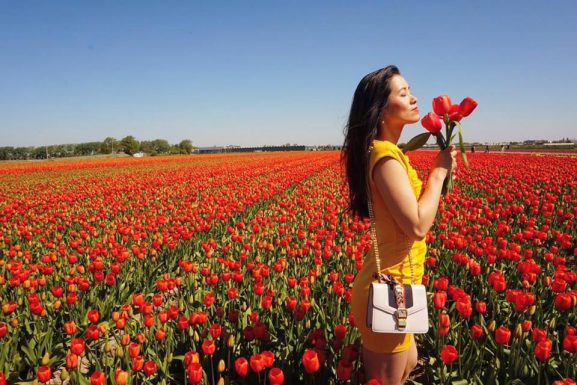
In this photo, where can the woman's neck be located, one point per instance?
(390, 135)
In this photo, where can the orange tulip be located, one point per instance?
(121, 377)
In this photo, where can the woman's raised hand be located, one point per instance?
(445, 162)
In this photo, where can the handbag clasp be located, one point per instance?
(401, 316)
(401, 313)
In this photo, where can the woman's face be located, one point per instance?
(402, 105)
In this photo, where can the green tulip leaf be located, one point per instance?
(83, 380)
(417, 142)
(462, 146)
(29, 353)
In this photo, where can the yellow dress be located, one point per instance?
(394, 249)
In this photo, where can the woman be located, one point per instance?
(378, 169)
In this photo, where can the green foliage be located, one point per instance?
(129, 145)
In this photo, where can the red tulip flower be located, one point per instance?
(267, 358)
(93, 316)
(439, 299)
(467, 106)
(276, 376)
(77, 346)
(340, 331)
(138, 299)
(71, 361)
(44, 374)
(182, 322)
(344, 370)
(291, 303)
(449, 354)
(133, 350)
(3, 329)
(464, 308)
(441, 283)
(256, 363)
(160, 334)
(502, 335)
(190, 357)
(442, 105)
(543, 350)
(208, 347)
(57, 291)
(444, 321)
(92, 333)
(137, 364)
(215, 330)
(563, 302)
(2, 378)
(149, 368)
(539, 335)
(241, 366)
(481, 307)
(432, 123)
(570, 343)
(455, 113)
(194, 372)
(476, 331)
(526, 325)
(311, 361)
(97, 378)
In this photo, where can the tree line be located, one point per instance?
(127, 145)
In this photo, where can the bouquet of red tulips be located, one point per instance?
(451, 115)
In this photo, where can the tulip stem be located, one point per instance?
(212, 369)
(459, 346)
(440, 141)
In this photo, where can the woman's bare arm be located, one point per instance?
(414, 217)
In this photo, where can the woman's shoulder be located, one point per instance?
(384, 148)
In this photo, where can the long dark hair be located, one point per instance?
(369, 101)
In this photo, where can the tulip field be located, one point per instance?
(238, 269)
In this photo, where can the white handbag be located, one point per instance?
(392, 307)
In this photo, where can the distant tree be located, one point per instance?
(185, 146)
(22, 152)
(146, 146)
(40, 152)
(129, 145)
(157, 146)
(109, 145)
(161, 146)
(6, 153)
(89, 148)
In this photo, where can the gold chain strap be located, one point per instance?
(373, 233)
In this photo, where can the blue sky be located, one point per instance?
(276, 72)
